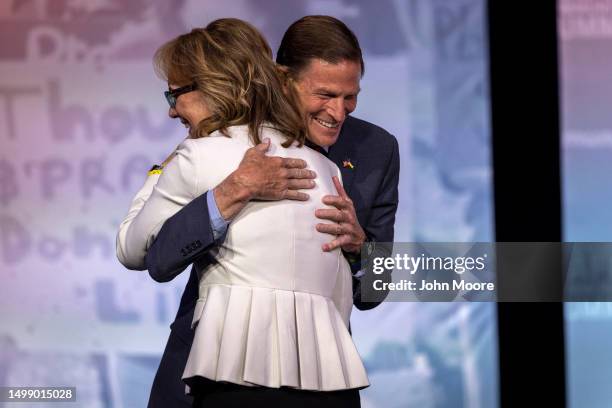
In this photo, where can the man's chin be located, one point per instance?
(323, 139)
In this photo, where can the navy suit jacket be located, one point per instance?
(186, 237)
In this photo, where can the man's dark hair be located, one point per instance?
(321, 37)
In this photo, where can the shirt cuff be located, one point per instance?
(217, 222)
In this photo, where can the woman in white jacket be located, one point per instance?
(273, 308)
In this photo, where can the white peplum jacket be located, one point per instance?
(273, 308)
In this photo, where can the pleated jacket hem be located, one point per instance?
(275, 338)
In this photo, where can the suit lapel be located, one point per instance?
(343, 153)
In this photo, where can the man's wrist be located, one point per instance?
(355, 249)
(363, 257)
(217, 222)
(231, 196)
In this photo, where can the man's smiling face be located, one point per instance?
(327, 93)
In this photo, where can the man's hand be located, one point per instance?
(349, 234)
(261, 177)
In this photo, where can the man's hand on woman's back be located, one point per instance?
(261, 177)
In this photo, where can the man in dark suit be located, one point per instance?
(323, 63)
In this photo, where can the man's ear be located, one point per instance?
(285, 75)
(283, 69)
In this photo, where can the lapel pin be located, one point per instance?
(347, 164)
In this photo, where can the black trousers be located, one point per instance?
(211, 394)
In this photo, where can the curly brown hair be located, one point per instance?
(231, 64)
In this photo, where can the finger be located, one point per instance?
(296, 184)
(296, 195)
(338, 202)
(263, 146)
(336, 243)
(332, 229)
(330, 214)
(294, 163)
(339, 188)
(301, 173)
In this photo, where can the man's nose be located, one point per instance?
(172, 113)
(336, 109)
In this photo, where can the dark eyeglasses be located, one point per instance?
(172, 94)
